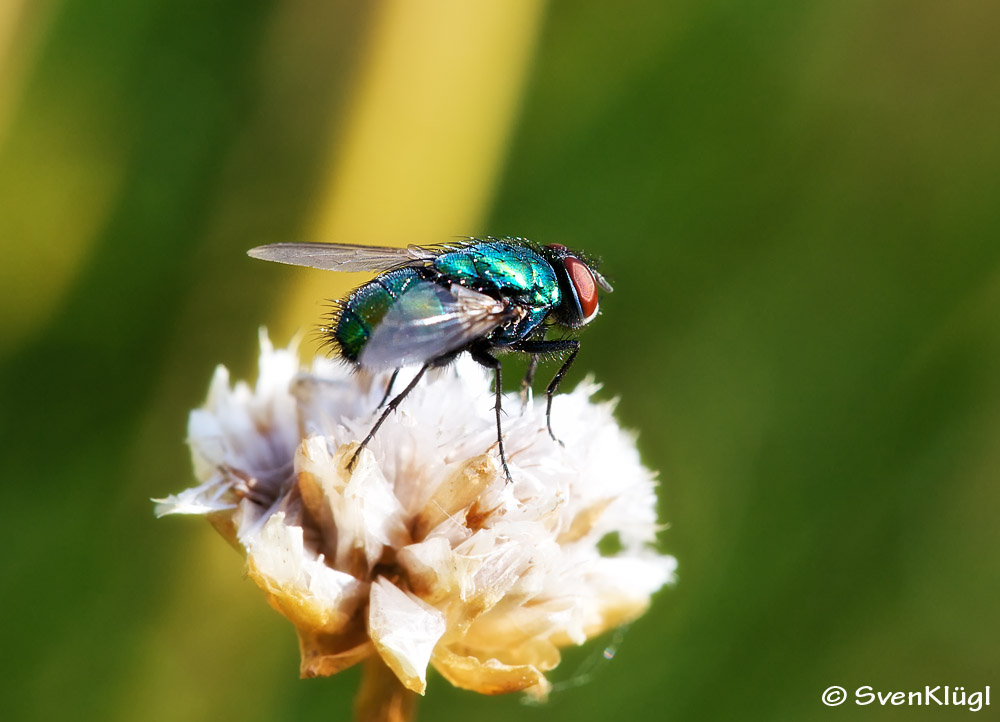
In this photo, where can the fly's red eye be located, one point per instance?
(584, 285)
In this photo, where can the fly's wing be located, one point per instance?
(431, 320)
(343, 256)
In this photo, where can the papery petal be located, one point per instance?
(522, 634)
(618, 590)
(491, 564)
(206, 436)
(430, 569)
(325, 654)
(488, 676)
(359, 509)
(454, 497)
(298, 583)
(205, 498)
(404, 629)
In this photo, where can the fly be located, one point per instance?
(431, 303)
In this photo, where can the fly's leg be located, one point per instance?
(529, 379)
(536, 348)
(388, 389)
(385, 414)
(484, 358)
(554, 384)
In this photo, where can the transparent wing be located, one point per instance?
(431, 320)
(343, 256)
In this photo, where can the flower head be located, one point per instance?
(424, 554)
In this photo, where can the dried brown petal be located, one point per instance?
(326, 654)
(486, 677)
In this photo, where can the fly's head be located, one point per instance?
(579, 282)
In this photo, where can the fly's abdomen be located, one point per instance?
(358, 316)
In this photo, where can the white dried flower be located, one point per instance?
(425, 554)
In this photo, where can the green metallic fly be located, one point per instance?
(431, 303)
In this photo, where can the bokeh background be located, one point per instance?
(797, 203)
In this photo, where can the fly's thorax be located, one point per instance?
(505, 269)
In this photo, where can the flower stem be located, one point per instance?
(382, 697)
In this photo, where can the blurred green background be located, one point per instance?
(797, 204)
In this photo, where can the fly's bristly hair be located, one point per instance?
(325, 334)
